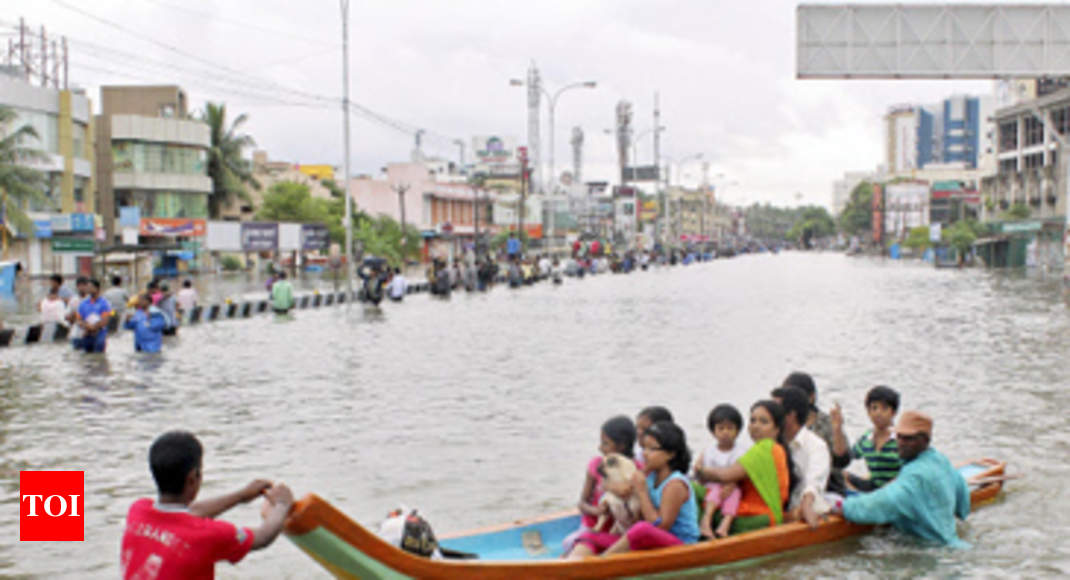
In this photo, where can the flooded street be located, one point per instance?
(486, 407)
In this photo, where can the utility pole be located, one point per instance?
(657, 143)
(401, 188)
(523, 194)
(44, 58)
(344, 5)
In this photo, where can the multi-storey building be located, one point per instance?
(64, 225)
(153, 157)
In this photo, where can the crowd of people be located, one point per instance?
(791, 471)
(87, 313)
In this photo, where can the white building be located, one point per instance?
(906, 206)
(842, 188)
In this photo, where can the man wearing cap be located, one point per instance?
(926, 496)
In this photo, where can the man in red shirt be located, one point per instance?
(176, 537)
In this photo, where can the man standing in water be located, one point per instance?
(177, 537)
(926, 496)
(282, 295)
(93, 314)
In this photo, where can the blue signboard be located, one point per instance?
(42, 229)
(82, 222)
(130, 216)
(314, 237)
(259, 236)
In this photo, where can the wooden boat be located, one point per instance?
(532, 548)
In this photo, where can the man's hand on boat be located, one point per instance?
(254, 489)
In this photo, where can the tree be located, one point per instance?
(857, 217)
(21, 183)
(1018, 211)
(917, 238)
(287, 201)
(961, 236)
(229, 171)
(813, 222)
(381, 237)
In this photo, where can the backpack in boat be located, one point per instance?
(417, 536)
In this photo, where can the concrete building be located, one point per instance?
(444, 211)
(267, 174)
(953, 132)
(906, 206)
(153, 157)
(64, 126)
(1031, 172)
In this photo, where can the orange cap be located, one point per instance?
(914, 422)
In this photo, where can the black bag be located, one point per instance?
(417, 536)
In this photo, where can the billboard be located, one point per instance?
(494, 149)
(932, 41)
(314, 237)
(170, 227)
(641, 173)
(259, 236)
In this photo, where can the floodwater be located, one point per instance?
(485, 408)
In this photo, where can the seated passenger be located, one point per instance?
(877, 446)
(668, 512)
(764, 473)
(618, 436)
(724, 423)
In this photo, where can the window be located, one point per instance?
(1034, 160)
(45, 125)
(1008, 166)
(165, 204)
(78, 137)
(1034, 131)
(1008, 136)
(138, 157)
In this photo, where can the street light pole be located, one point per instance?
(344, 5)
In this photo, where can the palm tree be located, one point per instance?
(228, 170)
(18, 182)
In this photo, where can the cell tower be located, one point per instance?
(534, 148)
(577, 154)
(37, 58)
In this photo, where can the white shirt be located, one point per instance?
(397, 286)
(72, 308)
(714, 457)
(53, 310)
(186, 299)
(810, 454)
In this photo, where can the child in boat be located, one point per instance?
(617, 436)
(177, 537)
(878, 446)
(724, 423)
(668, 511)
(643, 421)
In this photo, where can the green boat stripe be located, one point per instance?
(339, 553)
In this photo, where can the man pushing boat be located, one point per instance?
(926, 496)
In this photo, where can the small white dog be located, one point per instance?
(617, 468)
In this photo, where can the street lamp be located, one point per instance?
(551, 99)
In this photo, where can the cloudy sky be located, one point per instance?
(724, 69)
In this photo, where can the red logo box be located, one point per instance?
(51, 506)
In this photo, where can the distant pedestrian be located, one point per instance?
(117, 296)
(512, 246)
(169, 308)
(77, 333)
(52, 308)
(93, 314)
(282, 295)
(398, 286)
(56, 284)
(186, 298)
(148, 323)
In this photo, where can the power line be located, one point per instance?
(241, 24)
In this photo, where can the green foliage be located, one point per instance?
(961, 235)
(382, 237)
(21, 183)
(918, 238)
(230, 263)
(1018, 211)
(229, 171)
(812, 222)
(857, 215)
(287, 201)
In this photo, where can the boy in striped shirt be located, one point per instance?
(877, 446)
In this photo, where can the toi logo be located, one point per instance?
(52, 506)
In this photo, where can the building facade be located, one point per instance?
(64, 125)
(953, 133)
(153, 157)
(906, 206)
(842, 188)
(267, 173)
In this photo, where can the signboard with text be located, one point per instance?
(73, 246)
(314, 237)
(641, 173)
(171, 227)
(259, 236)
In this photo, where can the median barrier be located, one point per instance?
(195, 315)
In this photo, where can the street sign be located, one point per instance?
(73, 246)
(641, 173)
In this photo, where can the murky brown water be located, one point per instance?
(485, 408)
